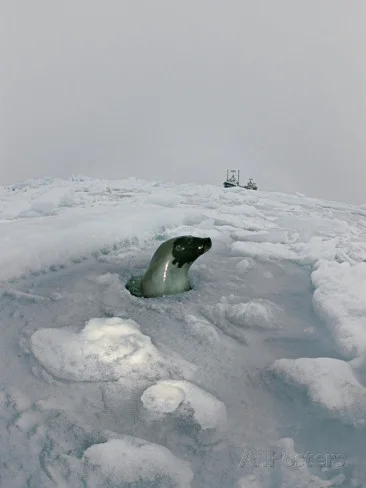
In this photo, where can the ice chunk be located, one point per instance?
(52, 199)
(329, 383)
(245, 265)
(186, 400)
(340, 300)
(105, 350)
(257, 313)
(135, 462)
(163, 199)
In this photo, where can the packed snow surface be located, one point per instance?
(256, 378)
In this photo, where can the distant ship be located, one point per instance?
(233, 180)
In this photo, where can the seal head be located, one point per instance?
(167, 273)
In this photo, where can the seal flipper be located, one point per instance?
(134, 285)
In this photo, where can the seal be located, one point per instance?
(167, 273)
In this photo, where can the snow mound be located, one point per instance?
(33, 203)
(163, 199)
(78, 232)
(187, 401)
(202, 329)
(162, 398)
(329, 383)
(11, 209)
(245, 265)
(257, 313)
(105, 350)
(49, 202)
(234, 319)
(340, 300)
(135, 462)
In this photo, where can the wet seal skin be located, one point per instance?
(167, 273)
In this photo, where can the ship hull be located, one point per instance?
(227, 184)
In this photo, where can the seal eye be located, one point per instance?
(200, 247)
(179, 248)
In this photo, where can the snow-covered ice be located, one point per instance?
(340, 299)
(266, 353)
(188, 404)
(133, 461)
(329, 383)
(105, 350)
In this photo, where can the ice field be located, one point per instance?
(256, 378)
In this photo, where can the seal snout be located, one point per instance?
(203, 244)
(207, 244)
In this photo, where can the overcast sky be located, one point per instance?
(181, 90)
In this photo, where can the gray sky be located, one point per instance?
(182, 90)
